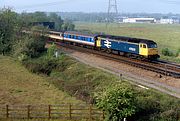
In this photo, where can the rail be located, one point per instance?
(167, 69)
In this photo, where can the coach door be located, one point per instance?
(143, 49)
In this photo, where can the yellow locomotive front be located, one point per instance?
(148, 50)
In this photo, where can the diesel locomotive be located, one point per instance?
(127, 46)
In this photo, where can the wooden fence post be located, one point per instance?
(70, 111)
(28, 112)
(7, 111)
(90, 112)
(49, 111)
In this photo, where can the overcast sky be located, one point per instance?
(124, 6)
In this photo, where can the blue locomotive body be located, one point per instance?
(120, 46)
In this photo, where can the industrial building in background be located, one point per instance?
(139, 20)
(147, 20)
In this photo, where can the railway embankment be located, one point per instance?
(83, 81)
(18, 86)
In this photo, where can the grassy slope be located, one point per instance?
(165, 35)
(18, 86)
(83, 81)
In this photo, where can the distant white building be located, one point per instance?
(166, 21)
(139, 20)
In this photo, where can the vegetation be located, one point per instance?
(20, 87)
(60, 24)
(167, 36)
(8, 29)
(167, 52)
(102, 17)
(13, 42)
(117, 101)
(118, 98)
(105, 90)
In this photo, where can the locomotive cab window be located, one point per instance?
(152, 45)
(144, 46)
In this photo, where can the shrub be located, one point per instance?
(167, 52)
(51, 50)
(178, 53)
(41, 65)
(117, 101)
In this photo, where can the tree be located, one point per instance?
(117, 101)
(68, 25)
(8, 30)
(31, 45)
(57, 19)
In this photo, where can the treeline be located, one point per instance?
(60, 24)
(102, 17)
(14, 42)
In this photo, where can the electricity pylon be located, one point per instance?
(112, 10)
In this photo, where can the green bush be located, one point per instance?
(117, 101)
(167, 52)
(41, 65)
(178, 53)
(51, 50)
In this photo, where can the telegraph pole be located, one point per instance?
(112, 10)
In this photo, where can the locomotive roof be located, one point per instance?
(80, 33)
(128, 39)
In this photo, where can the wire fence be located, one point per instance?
(62, 111)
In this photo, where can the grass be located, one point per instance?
(82, 81)
(19, 86)
(167, 36)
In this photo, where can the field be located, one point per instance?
(167, 36)
(19, 86)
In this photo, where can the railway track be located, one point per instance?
(160, 67)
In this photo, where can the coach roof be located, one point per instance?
(80, 33)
